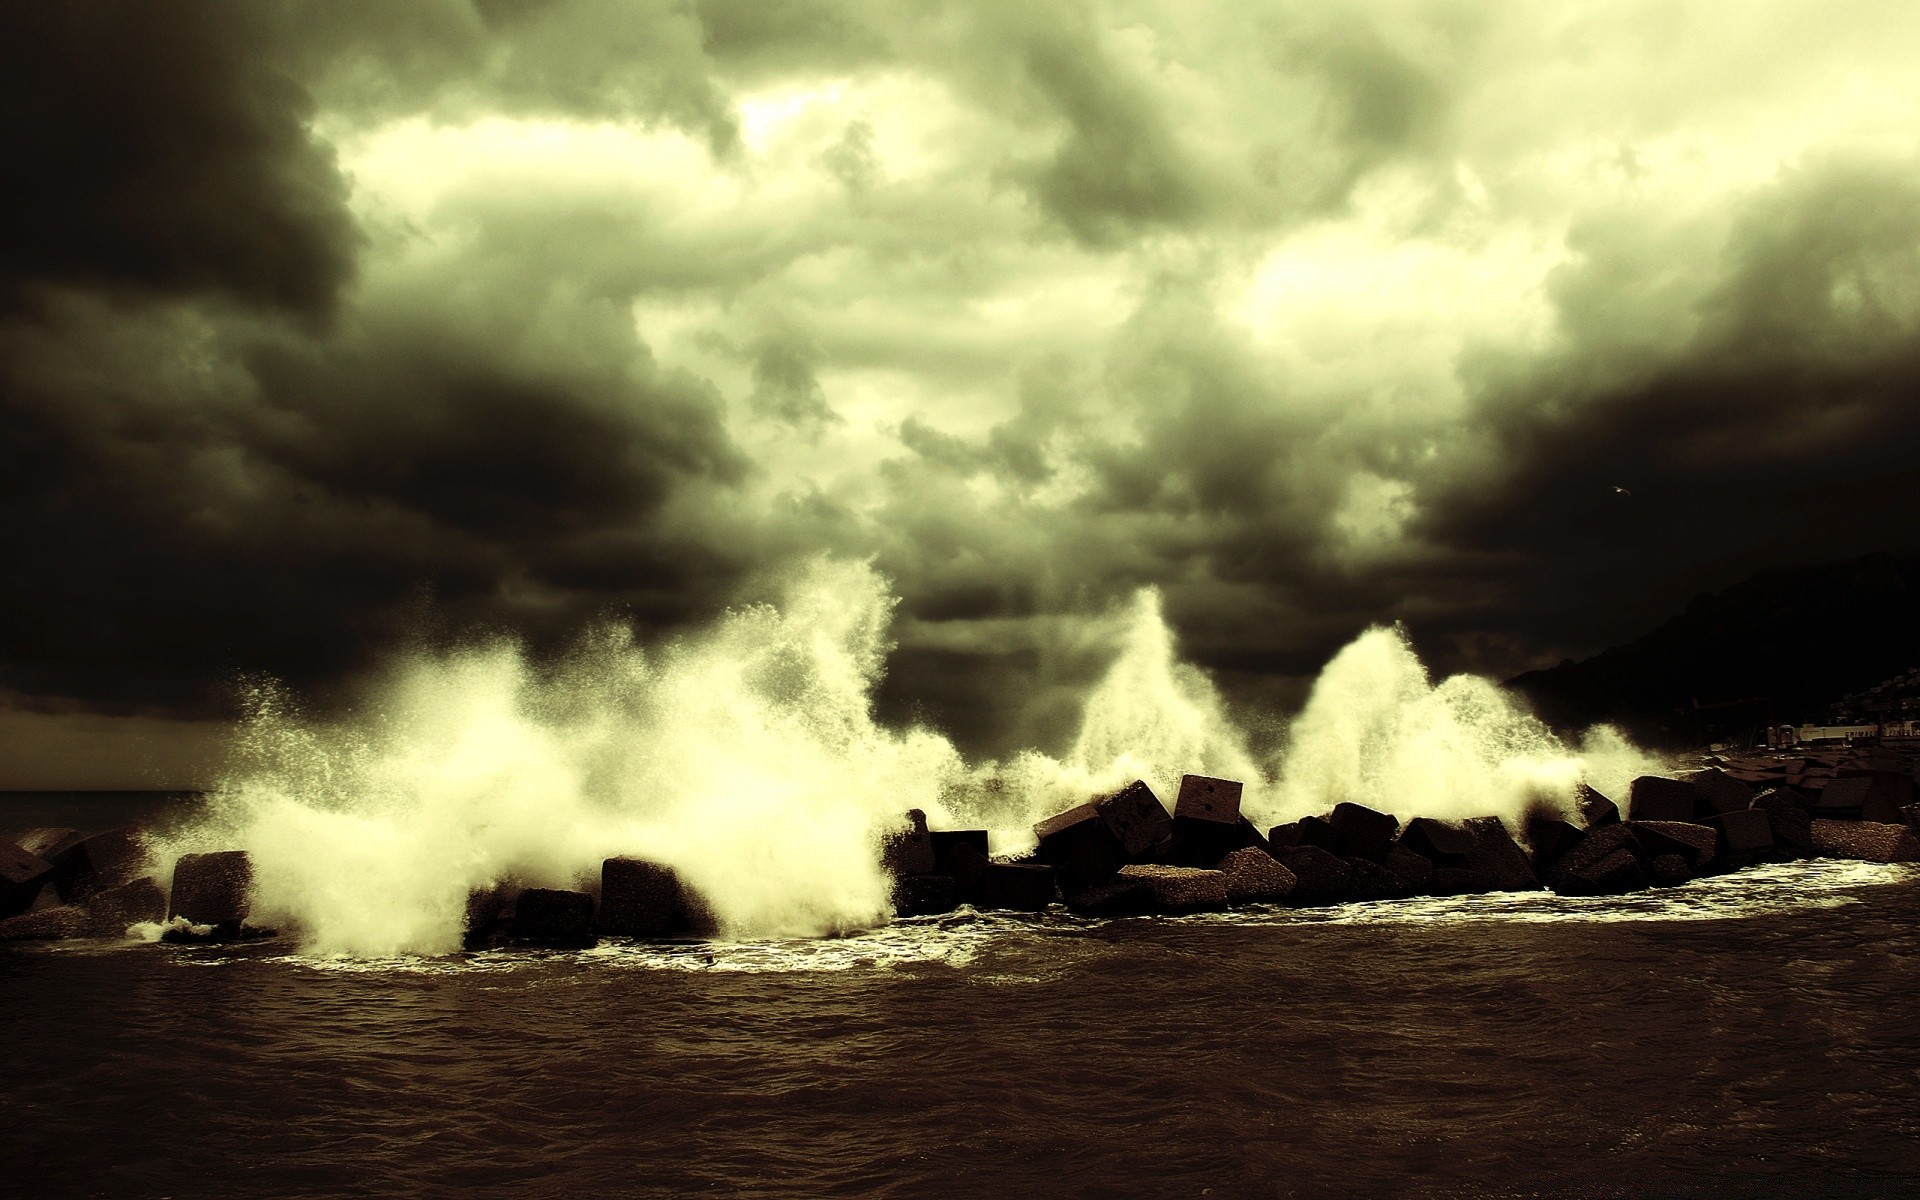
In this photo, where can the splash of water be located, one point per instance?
(748, 758)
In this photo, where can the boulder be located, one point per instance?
(111, 910)
(1595, 808)
(1790, 814)
(213, 889)
(1412, 873)
(1872, 841)
(908, 851)
(924, 895)
(1320, 876)
(1610, 875)
(1669, 870)
(1370, 880)
(1256, 877)
(1547, 839)
(1696, 843)
(1362, 832)
(1720, 792)
(1439, 843)
(1498, 857)
(1136, 818)
(1080, 846)
(1843, 799)
(1020, 887)
(45, 925)
(1120, 896)
(1654, 798)
(1181, 889)
(22, 874)
(1746, 831)
(553, 917)
(84, 863)
(643, 899)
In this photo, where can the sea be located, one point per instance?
(1754, 1035)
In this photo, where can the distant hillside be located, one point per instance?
(1791, 641)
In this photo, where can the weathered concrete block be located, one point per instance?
(1610, 875)
(213, 889)
(1745, 831)
(1842, 799)
(1459, 881)
(1019, 887)
(1181, 889)
(110, 910)
(1872, 841)
(1790, 813)
(488, 910)
(924, 895)
(22, 874)
(1439, 843)
(1256, 877)
(644, 899)
(1204, 798)
(1320, 876)
(1136, 818)
(1120, 896)
(1720, 792)
(1578, 873)
(1497, 856)
(947, 844)
(1080, 847)
(1412, 873)
(553, 917)
(908, 851)
(1362, 832)
(1547, 839)
(1654, 798)
(1669, 870)
(1595, 808)
(1696, 843)
(46, 925)
(1370, 880)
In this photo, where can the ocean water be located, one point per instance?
(1746, 1036)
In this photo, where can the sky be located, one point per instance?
(331, 329)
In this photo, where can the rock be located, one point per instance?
(947, 844)
(22, 874)
(1439, 843)
(1361, 832)
(1720, 792)
(1696, 843)
(1256, 877)
(1370, 880)
(49, 924)
(1654, 798)
(111, 910)
(1790, 814)
(1744, 832)
(908, 851)
(1080, 847)
(1412, 873)
(1320, 876)
(213, 889)
(644, 899)
(1498, 857)
(1136, 818)
(1669, 870)
(1020, 887)
(1871, 841)
(924, 895)
(1120, 896)
(1181, 889)
(552, 917)
(1595, 809)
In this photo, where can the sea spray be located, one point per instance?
(748, 758)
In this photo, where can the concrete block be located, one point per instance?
(1370, 880)
(1720, 792)
(643, 899)
(85, 863)
(110, 910)
(488, 910)
(22, 875)
(1204, 798)
(1362, 832)
(1497, 856)
(1439, 843)
(1790, 814)
(1136, 818)
(1080, 847)
(1020, 887)
(1120, 896)
(1610, 875)
(1668, 870)
(924, 895)
(1842, 799)
(1412, 873)
(1654, 798)
(1595, 808)
(908, 851)
(1871, 841)
(1574, 873)
(213, 889)
(1320, 876)
(46, 925)
(1547, 839)
(1181, 889)
(553, 917)
(1256, 877)
(1696, 843)
(1745, 831)
(947, 844)
(1459, 881)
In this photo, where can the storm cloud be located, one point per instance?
(326, 328)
